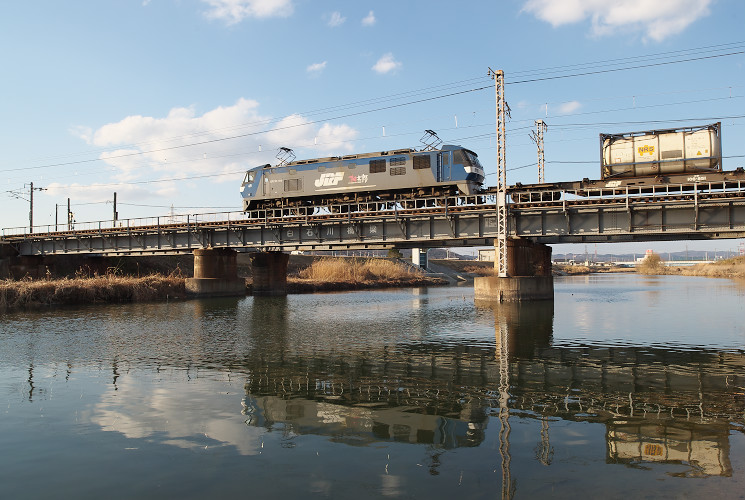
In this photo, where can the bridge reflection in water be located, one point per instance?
(658, 405)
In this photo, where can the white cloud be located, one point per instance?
(658, 19)
(235, 11)
(336, 19)
(386, 64)
(217, 144)
(369, 19)
(291, 130)
(85, 133)
(336, 138)
(96, 192)
(567, 108)
(316, 68)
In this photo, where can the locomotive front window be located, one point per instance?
(472, 158)
(250, 177)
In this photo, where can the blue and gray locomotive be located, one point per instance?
(405, 174)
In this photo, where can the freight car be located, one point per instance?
(661, 152)
(683, 156)
(405, 174)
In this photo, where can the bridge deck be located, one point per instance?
(583, 211)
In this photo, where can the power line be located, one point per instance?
(625, 60)
(611, 70)
(139, 153)
(170, 206)
(456, 84)
(707, 119)
(221, 139)
(388, 98)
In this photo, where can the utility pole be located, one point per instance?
(537, 137)
(31, 209)
(31, 206)
(500, 260)
(116, 214)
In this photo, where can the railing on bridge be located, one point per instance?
(527, 197)
(277, 215)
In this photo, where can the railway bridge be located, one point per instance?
(682, 208)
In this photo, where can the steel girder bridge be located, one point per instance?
(573, 212)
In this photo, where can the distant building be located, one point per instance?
(487, 255)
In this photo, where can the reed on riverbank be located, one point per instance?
(84, 290)
(728, 268)
(345, 274)
(357, 271)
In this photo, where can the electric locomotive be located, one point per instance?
(404, 174)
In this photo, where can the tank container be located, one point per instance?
(642, 154)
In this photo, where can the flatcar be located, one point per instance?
(405, 174)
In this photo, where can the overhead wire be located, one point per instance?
(489, 135)
(359, 103)
(388, 98)
(612, 70)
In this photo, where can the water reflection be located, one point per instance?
(421, 371)
(657, 405)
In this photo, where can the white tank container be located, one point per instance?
(642, 154)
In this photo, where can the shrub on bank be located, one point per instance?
(651, 264)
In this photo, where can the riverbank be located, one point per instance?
(84, 290)
(337, 274)
(317, 276)
(486, 268)
(729, 268)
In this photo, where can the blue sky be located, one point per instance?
(167, 102)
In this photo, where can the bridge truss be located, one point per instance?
(577, 212)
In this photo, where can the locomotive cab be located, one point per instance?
(461, 165)
(250, 186)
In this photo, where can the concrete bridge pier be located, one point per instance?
(215, 274)
(419, 257)
(529, 275)
(269, 271)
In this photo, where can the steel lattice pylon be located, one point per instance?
(537, 136)
(500, 243)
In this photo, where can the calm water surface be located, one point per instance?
(624, 386)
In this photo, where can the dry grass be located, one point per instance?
(109, 288)
(480, 270)
(334, 274)
(356, 271)
(730, 268)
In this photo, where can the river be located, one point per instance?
(623, 386)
